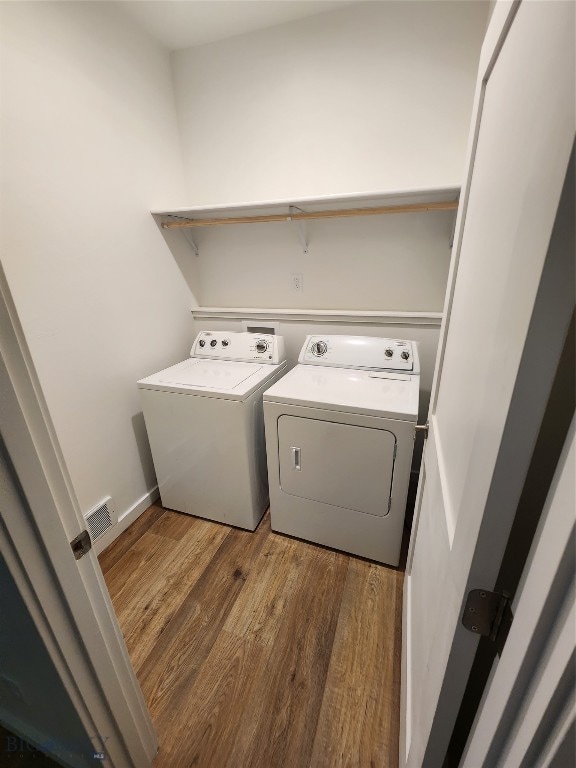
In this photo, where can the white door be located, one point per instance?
(507, 311)
(66, 599)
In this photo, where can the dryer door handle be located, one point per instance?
(296, 458)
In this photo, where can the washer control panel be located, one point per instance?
(242, 347)
(362, 352)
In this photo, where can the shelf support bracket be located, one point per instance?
(188, 236)
(453, 231)
(301, 227)
(185, 231)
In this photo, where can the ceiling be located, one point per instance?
(179, 24)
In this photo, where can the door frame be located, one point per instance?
(66, 598)
(528, 707)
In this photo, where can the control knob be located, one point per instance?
(202, 342)
(225, 342)
(261, 345)
(213, 343)
(388, 352)
(319, 348)
(405, 354)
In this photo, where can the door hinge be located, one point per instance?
(81, 544)
(422, 428)
(488, 614)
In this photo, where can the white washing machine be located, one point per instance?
(205, 425)
(340, 430)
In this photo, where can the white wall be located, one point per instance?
(395, 262)
(374, 96)
(89, 145)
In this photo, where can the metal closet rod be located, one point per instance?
(448, 205)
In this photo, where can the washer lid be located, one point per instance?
(211, 378)
(376, 393)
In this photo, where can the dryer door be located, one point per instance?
(338, 464)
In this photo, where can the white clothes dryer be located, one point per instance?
(340, 430)
(205, 426)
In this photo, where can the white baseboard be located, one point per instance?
(127, 519)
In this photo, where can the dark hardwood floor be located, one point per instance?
(256, 650)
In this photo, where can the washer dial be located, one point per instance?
(319, 348)
(261, 346)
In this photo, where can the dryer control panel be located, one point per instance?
(241, 347)
(361, 352)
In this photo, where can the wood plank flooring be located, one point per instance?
(256, 650)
